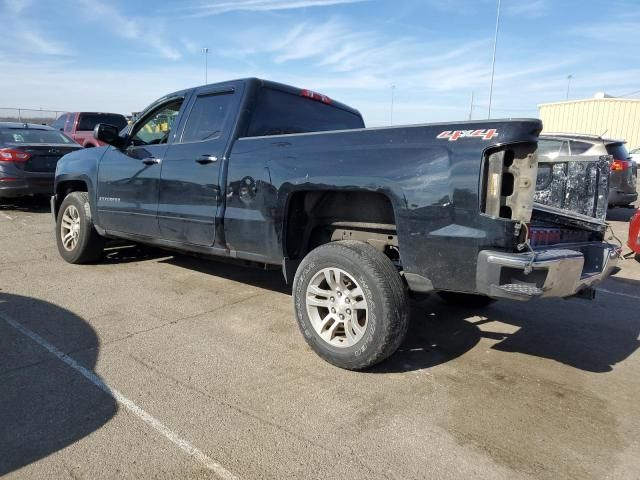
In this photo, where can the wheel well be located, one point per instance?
(317, 217)
(65, 188)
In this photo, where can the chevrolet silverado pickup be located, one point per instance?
(356, 217)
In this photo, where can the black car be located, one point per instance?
(28, 157)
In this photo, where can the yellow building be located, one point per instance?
(602, 115)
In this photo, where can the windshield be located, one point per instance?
(88, 121)
(31, 136)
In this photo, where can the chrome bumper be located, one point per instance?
(553, 272)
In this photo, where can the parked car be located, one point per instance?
(624, 172)
(634, 234)
(28, 157)
(635, 155)
(80, 125)
(355, 217)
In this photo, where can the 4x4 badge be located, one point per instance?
(452, 136)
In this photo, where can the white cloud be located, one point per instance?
(38, 44)
(220, 7)
(16, 7)
(526, 8)
(29, 38)
(108, 15)
(127, 27)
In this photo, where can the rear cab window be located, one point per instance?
(278, 112)
(88, 121)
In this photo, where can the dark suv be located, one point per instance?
(624, 171)
(28, 157)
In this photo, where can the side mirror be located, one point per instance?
(108, 134)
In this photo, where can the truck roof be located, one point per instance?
(270, 84)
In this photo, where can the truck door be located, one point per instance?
(128, 178)
(190, 179)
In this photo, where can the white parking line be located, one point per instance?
(628, 295)
(6, 216)
(125, 402)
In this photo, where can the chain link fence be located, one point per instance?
(29, 115)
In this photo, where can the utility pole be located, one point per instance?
(569, 77)
(393, 93)
(206, 66)
(493, 62)
(471, 107)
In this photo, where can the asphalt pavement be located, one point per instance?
(154, 365)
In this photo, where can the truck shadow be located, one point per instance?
(234, 270)
(45, 405)
(25, 204)
(593, 337)
(590, 336)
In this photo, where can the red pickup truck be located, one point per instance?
(80, 125)
(634, 234)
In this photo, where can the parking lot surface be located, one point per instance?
(160, 366)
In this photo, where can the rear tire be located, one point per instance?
(77, 239)
(351, 304)
(465, 299)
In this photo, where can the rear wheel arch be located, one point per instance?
(315, 217)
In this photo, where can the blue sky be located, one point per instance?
(120, 55)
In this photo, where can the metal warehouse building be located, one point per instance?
(602, 115)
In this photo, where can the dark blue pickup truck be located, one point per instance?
(356, 218)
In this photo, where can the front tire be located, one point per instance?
(77, 239)
(351, 304)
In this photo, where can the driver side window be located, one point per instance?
(157, 126)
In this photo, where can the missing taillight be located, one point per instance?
(509, 182)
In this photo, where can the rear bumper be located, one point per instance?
(20, 187)
(555, 272)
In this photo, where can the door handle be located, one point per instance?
(151, 161)
(205, 159)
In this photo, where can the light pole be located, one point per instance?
(569, 77)
(393, 92)
(205, 50)
(493, 61)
